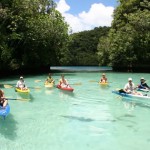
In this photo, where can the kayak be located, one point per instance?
(4, 111)
(22, 91)
(143, 90)
(123, 94)
(65, 88)
(48, 85)
(103, 83)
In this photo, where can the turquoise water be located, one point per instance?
(90, 118)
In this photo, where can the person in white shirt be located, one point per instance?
(130, 88)
(63, 82)
(21, 84)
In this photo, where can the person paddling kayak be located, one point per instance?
(49, 79)
(143, 84)
(3, 101)
(130, 88)
(103, 78)
(63, 82)
(21, 84)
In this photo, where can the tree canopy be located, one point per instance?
(128, 42)
(32, 32)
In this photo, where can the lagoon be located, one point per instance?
(90, 118)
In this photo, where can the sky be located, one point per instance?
(84, 15)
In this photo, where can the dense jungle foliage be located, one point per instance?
(34, 35)
(128, 41)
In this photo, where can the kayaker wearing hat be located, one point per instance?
(21, 84)
(143, 84)
(130, 88)
(103, 78)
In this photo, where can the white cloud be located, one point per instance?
(62, 6)
(98, 15)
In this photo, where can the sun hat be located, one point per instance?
(142, 78)
(129, 79)
(21, 77)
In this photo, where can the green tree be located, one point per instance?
(128, 39)
(33, 32)
(83, 46)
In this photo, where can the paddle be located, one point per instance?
(19, 99)
(97, 81)
(79, 83)
(93, 81)
(37, 81)
(34, 88)
(10, 86)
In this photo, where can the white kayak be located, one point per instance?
(123, 94)
(143, 90)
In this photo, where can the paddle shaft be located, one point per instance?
(19, 99)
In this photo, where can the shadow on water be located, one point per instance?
(8, 127)
(83, 119)
(31, 98)
(25, 96)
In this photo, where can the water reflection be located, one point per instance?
(131, 104)
(49, 90)
(65, 94)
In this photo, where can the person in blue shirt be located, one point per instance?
(143, 84)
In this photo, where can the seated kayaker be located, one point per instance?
(49, 79)
(103, 78)
(21, 84)
(63, 82)
(143, 84)
(129, 88)
(3, 101)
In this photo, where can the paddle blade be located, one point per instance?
(7, 86)
(37, 81)
(37, 88)
(76, 83)
(93, 81)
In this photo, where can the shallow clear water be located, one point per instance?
(90, 118)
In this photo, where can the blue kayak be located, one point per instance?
(143, 90)
(123, 94)
(4, 111)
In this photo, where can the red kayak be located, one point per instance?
(65, 88)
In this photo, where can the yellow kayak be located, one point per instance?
(48, 85)
(103, 83)
(22, 91)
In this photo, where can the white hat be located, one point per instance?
(142, 78)
(21, 77)
(129, 79)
